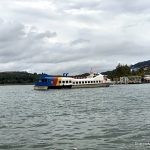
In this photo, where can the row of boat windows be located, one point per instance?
(79, 82)
(65, 82)
(85, 82)
(47, 80)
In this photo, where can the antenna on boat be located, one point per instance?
(91, 71)
(65, 74)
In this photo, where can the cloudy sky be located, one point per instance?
(56, 36)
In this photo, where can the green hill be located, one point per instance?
(17, 77)
(141, 64)
(138, 69)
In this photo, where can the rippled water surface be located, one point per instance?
(113, 118)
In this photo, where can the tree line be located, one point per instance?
(30, 78)
(18, 77)
(125, 70)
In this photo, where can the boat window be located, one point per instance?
(63, 81)
(76, 82)
(44, 80)
(73, 82)
(88, 81)
(79, 82)
(91, 81)
(99, 81)
(82, 82)
(96, 81)
(69, 81)
(59, 81)
(66, 81)
(85, 81)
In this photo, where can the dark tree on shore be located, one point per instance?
(18, 78)
(125, 70)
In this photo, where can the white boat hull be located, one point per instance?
(91, 85)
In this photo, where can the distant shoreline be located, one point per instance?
(17, 84)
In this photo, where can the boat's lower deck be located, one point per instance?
(91, 85)
(72, 86)
(52, 87)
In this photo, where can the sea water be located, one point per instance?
(112, 118)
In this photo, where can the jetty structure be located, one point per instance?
(46, 82)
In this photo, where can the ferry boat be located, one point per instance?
(60, 82)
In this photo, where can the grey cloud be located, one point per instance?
(116, 6)
(125, 6)
(10, 31)
(80, 5)
(16, 44)
(79, 41)
(47, 34)
(73, 35)
(41, 35)
(32, 12)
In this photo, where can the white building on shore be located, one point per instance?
(147, 78)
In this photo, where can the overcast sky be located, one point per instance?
(56, 36)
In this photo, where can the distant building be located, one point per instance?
(116, 80)
(124, 80)
(146, 79)
(135, 79)
(131, 80)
